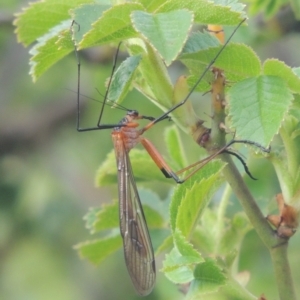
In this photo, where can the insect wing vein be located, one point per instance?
(138, 250)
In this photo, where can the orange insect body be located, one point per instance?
(128, 134)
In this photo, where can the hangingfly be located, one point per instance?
(138, 250)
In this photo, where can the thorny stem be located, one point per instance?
(277, 246)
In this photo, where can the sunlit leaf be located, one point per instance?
(208, 278)
(175, 146)
(234, 233)
(40, 17)
(144, 169)
(50, 48)
(96, 251)
(185, 248)
(157, 88)
(237, 60)
(113, 26)
(179, 268)
(122, 78)
(257, 107)
(207, 12)
(189, 199)
(84, 16)
(107, 218)
(275, 67)
(91, 217)
(166, 32)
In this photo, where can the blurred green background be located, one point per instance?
(47, 172)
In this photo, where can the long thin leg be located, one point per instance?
(99, 125)
(109, 83)
(149, 125)
(262, 148)
(206, 160)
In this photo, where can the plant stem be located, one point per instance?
(247, 201)
(276, 245)
(282, 272)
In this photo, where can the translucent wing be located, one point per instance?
(137, 244)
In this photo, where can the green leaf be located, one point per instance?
(206, 12)
(204, 236)
(175, 147)
(190, 198)
(210, 272)
(180, 262)
(296, 71)
(155, 209)
(121, 80)
(144, 169)
(209, 238)
(278, 68)
(166, 32)
(178, 268)
(234, 5)
(237, 60)
(38, 19)
(107, 172)
(96, 251)
(151, 5)
(114, 26)
(198, 41)
(91, 218)
(50, 48)
(234, 234)
(153, 217)
(208, 278)
(107, 218)
(185, 248)
(257, 107)
(195, 201)
(157, 88)
(85, 16)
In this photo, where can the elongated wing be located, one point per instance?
(138, 250)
